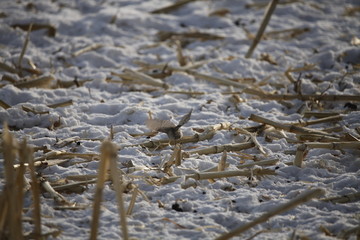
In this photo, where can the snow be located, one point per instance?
(128, 33)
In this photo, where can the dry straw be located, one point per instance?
(223, 174)
(172, 7)
(267, 16)
(11, 211)
(302, 198)
(300, 153)
(108, 159)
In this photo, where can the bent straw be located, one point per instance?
(302, 198)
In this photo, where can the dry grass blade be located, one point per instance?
(74, 187)
(4, 105)
(223, 174)
(58, 198)
(177, 155)
(35, 189)
(311, 97)
(172, 7)
(352, 197)
(24, 47)
(318, 121)
(253, 138)
(11, 217)
(207, 134)
(8, 68)
(287, 127)
(141, 78)
(299, 157)
(267, 16)
(259, 163)
(102, 176)
(132, 202)
(217, 80)
(87, 49)
(334, 145)
(259, 5)
(27, 109)
(43, 82)
(219, 12)
(302, 198)
(66, 155)
(61, 104)
(51, 30)
(309, 114)
(179, 54)
(190, 92)
(25, 155)
(111, 152)
(286, 34)
(300, 153)
(222, 162)
(222, 148)
(201, 36)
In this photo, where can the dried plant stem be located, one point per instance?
(4, 105)
(132, 202)
(8, 68)
(43, 81)
(222, 162)
(119, 186)
(185, 92)
(59, 199)
(259, 163)
(222, 148)
(207, 134)
(287, 127)
(35, 189)
(299, 157)
(309, 114)
(103, 167)
(222, 81)
(61, 104)
(302, 198)
(269, 11)
(223, 174)
(334, 145)
(179, 54)
(11, 220)
(316, 137)
(335, 118)
(254, 139)
(66, 155)
(177, 155)
(24, 47)
(352, 197)
(25, 155)
(305, 97)
(74, 185)
(172, 7)
(141, 78)
(87, 49)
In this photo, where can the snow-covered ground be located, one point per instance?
(323, 42)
